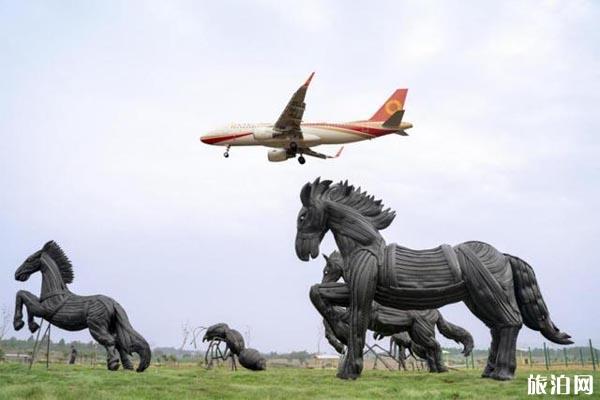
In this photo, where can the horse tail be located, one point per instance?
(456, 333)
(130, 340)
(531, 303)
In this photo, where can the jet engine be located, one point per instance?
(263, 134)
(278, 155)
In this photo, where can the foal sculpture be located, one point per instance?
(387, 321)
(500, 289)
(103, 316)
(249, 358)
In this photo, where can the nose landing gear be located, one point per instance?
(301, 159)
(226, 154)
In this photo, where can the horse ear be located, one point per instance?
(48, 244)
(305, 195)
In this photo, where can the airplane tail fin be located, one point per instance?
(392, 105)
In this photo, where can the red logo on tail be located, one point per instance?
(393, 104)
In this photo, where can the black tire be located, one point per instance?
(301, 160)
(226, 154)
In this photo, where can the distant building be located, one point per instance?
(24, 358)
(326, 360)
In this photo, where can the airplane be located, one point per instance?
(290, 137)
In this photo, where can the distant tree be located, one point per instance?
(163, 358)
(4, 319)
(190, 335)
(3, 328)
(185, 332)
(302, 356)
(158, 355)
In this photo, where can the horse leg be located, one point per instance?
(332, 339)
(125, 360)
(506, 362)
(512, 361)
(325, 297)
(363, 283)
(491, 361)
(423, 334)
(99, 331)
(492, 299)
(430, 358)
(438, 358)
(34, 309)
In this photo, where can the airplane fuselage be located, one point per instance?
(313, 134)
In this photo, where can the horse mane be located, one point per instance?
(360, 201)
(62, 261)
(336, 256)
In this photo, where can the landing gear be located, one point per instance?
(292, 151)
(226, 154)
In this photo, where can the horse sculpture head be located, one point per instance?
(334, 267)
(31, 265)
(326, 206)
(216, 331)
(312, 219)
(50, 255)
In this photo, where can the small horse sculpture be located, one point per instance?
(103, 316)
(387, 321)
(500, 289)
(249, 358)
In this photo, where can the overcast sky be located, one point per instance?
(102, 104)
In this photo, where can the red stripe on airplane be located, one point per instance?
(358, 128)
(219, 139)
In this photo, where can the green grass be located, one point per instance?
(63, 382)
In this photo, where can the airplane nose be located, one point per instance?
(204, 139)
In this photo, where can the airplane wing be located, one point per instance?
(309, 152)
(289, 121)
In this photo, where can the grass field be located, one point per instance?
(64, 382)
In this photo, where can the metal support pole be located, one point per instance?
(530, 358)
(581, 355)
(592, 353)
(48, 347)
(565, 354)
(377, 356)
(37, 338)
(546, 356)
(472, 360)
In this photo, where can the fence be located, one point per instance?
(571, 357)
(566, 357)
